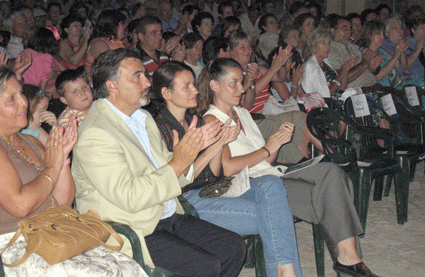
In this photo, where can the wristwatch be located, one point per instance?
(252, 87)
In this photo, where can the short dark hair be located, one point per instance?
(54, 3)
(106, 68)
(189, 9)
(299, 20)
(228, 22)
(263, 20)
(67, 21)
(333, 21)
(107, 24)
(76, 6)
(189, 40)
(146, 20)
(295, 6)
(212, 47)
(223, 4)
(381, 7)
(351, 16)
(33, 95)
(69, 75)
(365, 13)
(314, 4)
(43, 41)
(415, 22)
(197, 20)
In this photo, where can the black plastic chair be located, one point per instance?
(325, 125)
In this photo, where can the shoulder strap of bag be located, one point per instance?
(21, 260)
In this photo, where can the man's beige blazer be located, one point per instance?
(115, 177)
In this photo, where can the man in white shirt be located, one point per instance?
(123, 170)
(16, 25)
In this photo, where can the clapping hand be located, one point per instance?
(70, 136)
(281, 58)
(210, 131)
(22, 63)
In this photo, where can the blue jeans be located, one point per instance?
(262, 210)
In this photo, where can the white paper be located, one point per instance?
(303, 165)
(360, 106)
(412, 96)
(360, 163)
(388, 104)
(240, 184)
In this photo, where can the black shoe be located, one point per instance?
(356, 270)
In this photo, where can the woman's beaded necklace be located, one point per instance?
(30, 161)
(26, 157)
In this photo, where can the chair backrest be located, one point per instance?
(406, 125)
(368, 143)
(325, 125)
(414, 96)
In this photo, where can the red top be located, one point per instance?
(261, 98)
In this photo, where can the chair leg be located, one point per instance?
(362, 193)
(402, 189)
(388, 185)
(319, 249)
(260, 264)
(379, 185)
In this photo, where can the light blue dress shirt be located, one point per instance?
(136, 124)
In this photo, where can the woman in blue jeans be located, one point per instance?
(263, 209)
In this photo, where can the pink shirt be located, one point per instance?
(40, 68)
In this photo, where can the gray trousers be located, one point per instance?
(268, 126)
(323, 194)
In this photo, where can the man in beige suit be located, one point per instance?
(123, 170)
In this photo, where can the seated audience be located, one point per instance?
(269, 34)
(416, 47)
(291, 36)
(168, 23)
(319, 74)
(150, 38)
(41, 45)
(16, 24)
(305, 23)
(256, 86)
(229, 24)
(193, 44)
(368, 15)
(73, 45)
(372, 36)
(108, 33)
(203, 24)
(173, 86)
(224, 10)
(34, 178)
(215, 47)
(37, 113)
(356, 25)
(248, 23)
(190, 11)
(383, 11)
(73, 88)
(122, 169)
(321, 194)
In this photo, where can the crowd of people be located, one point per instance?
(162, 99)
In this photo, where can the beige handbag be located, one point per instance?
(60, 233)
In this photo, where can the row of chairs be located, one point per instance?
(377, 152)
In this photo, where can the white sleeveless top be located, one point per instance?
(247, 142)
